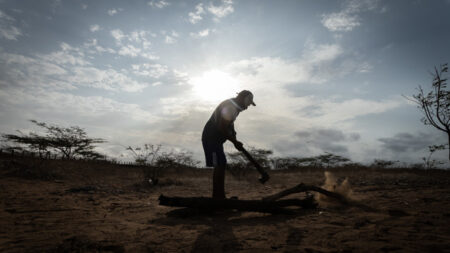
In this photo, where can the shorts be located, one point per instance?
(214, 154)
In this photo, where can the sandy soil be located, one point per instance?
(85, 207)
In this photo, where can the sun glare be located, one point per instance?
(214, 86)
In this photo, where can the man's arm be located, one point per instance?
(227, 129)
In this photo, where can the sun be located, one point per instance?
(214, 86)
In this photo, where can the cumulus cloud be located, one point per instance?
(170, 38)
(7, 28)
(94, 28)
(134, 44)
(114, 11)
(340, 22)
(195, 17)
(129, 50)
(65, 69)
(68, 55)
(201, 34)
(118, 35)
(222, 10)
(150, 70)
(93, 47)
(159, 4)
(349, 17)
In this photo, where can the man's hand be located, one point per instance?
(238, 145)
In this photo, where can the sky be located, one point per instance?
(327, 76)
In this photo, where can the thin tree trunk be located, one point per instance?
(448, 135)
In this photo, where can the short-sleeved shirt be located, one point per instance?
(227, 110)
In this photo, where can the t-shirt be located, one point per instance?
(227, 110)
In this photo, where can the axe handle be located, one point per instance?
(250, 158)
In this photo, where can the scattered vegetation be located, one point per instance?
(154, 160)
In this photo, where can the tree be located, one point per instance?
(380, 163)
(239, 166)
(146, 155)
(293, 162)
(260, 155)
(71, 142)
(435, 105)
(332, 159)
(431, 164)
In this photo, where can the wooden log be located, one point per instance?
(212, 204)
(269, 204)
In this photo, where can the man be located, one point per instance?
(218, 129)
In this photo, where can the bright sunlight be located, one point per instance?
(214, 86)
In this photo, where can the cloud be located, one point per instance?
(134, 44)
(94, 28)
(65, 69)
(317, 65)
(201, 34)
(93, 47)
(349, 17)
(150, 70)
(407, 142)
(84, 6)
(170, 39)
(129, 50)
(159, 4)
(222, 10)
(117, 35)
(68, 55)
(338, 111)
(340, 22)
(78, 106)
(326, 140)
(114, 11)
(195, 17)
(107, 79)
(7, 29)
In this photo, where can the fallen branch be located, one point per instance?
(211, 204)
(269, 204)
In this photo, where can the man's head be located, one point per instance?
(245, 99)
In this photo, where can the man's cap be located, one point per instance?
(247, 93)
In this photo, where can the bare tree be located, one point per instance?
(435, 105)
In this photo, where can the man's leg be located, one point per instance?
(219, 182)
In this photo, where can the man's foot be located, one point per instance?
(218, 196)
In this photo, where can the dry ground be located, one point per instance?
(58, 206)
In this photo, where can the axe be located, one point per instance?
(264, 176)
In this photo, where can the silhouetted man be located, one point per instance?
(218, 129)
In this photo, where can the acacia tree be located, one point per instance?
(71, 142)
(435, 105)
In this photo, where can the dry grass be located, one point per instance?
(73, 206)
